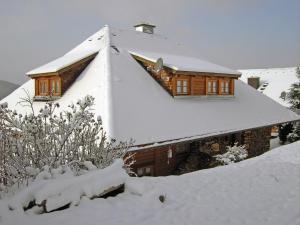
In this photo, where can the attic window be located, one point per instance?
(225, 87)
(182, 87)
(212, 86)
(48, 86)
(43, 87)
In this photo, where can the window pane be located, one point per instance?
(148, 170)
(57, 87)
(178, 89)
(53, 86)
(46, 86)
(214, 86)
(185, 83)
(184, 89)
(209, 86)
(140, 172)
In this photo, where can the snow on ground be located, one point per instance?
(264, 190)
(273, 81)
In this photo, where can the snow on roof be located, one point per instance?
(62, 62)
(273, 81)
(133, 105)
(185, 63)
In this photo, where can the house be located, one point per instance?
(273, 82)
(179, 109)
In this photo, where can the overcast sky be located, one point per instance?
(235, 33)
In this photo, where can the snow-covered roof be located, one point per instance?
(273, 81)
(185, 63)
(62, 62)
(133, 105)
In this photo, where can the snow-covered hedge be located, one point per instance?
(35, 144)
(66, 189)
(234, 153)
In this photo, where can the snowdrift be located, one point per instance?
(264, 190)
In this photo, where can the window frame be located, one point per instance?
(211, 88)
(225, 87)
(43, 87)
(182, 86)
(145, 171)
(54, 89)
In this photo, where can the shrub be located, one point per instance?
(31, 145)
(234, 153)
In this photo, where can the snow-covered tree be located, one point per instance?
(284, 131)
(295, 134)
(292, 132)
(31, 145)
(293, 96)
(234, 154)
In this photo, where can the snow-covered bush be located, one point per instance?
(234, 153)
(35, 144)
(295, 134)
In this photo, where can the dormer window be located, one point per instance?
(225, 86)
(182, 76)
(212, 87)
(43, 87)
(53, 79)
(55, 87)
(182, 87)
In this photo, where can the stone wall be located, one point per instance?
(257, 141)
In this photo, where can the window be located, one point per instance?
(48, 86)
(225, 87)
(182, 87)
(145, 171)
(54, 87)
(43, 87)
(212, 87)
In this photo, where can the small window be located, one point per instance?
(225, 87)
(212, 87)
(43, 87)
(182, 87)
(54, 87)
(145, 171)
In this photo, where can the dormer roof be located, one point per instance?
(62, 62)
(185, 63)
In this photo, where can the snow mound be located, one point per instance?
(68, 189)
(263, 190)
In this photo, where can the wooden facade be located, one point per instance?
(171, 159)
(183, 83)
(56, 83)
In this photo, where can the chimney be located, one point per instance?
(254, 82)
(145, 28)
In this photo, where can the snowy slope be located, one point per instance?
(264, 190)
(273, 81)
(133, 105)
